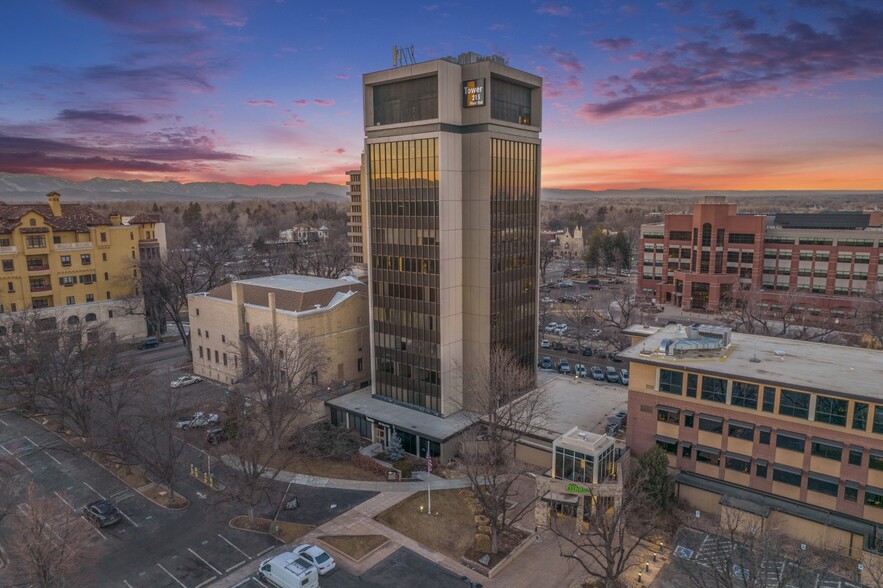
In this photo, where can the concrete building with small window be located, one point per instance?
(787, 429)
(820, 264)
(225, 320)
(76, 264)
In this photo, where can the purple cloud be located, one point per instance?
(100, 116)
(555, 10)
(321, 102)
(567, 61)
(614, 44)
(260, 102)
(696, 75)
(735, 20)
(677, 6)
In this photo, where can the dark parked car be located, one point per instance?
(572, 348)
(587, 351)
(216, 435)
(546, 363)
(558, 346)
(101, 513)
(148, 343)
(600, 353)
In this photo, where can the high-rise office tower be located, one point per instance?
(452, 178)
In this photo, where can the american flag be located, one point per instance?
(428, 463)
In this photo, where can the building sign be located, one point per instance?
(577, 489)
(473, 93)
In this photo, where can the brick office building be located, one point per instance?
(826, 263)
(789, 429)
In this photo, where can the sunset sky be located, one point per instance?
(681, 94)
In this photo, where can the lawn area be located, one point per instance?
(449, 530)
(329, 468)
(355, 546)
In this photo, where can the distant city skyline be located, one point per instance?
(677, 94)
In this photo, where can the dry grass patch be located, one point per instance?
(449, 530)
(355, 546)
(286, 532)
(326, 468)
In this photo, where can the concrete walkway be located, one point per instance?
(320, 482)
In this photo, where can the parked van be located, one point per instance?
(289, 570)
(148, 343)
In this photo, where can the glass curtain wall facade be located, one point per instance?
(514, 202)
(405, 257)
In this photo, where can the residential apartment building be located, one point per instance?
(823, 264)
(333, 312)
(790, 431)
(451, 183)
(74, 262)
(356, 220)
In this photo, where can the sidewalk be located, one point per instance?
(338, 484)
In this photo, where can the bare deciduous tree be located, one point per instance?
(547, 254)
(746, 551)
(197, 265)
(283, 373)
(509, 405)
(159, 449)
(48, 542)
(606, 545)
(325, 258)
(787, 315)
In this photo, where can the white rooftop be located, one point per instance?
(819, 367)
(584, 441)
(297, 283)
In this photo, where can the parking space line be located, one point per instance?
(209, 581)
(52, 457)
(270, 548)
(180, 583)
(61, 498)
(4, 422)
(233, 567)
(127, 584)
(101, 496)
(258, 580)
(16, 458)
(233, 546)
(216, 570)
(128, 518)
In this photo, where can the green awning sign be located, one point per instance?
(577, 489)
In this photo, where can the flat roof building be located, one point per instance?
(451, 181)
(793, 428)
(820, 265)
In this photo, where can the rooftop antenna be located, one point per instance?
(754, 359)
(402, 56)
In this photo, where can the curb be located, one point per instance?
(105, 468)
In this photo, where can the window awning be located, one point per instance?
(828, 442)
(708, 417)
(667, 408)
(824, 478)
(561, 497)
(741, 424)
(711, 450)
(788, 469)
(738, 456)
(797, 436)
(665, 439)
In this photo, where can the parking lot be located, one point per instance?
(402, 568)
(720, 554)
(151, 546)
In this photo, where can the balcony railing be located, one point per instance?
(38, 268)
(8, 250)
(41, 287)
(73, 246)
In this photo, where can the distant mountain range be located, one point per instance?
(29, 187)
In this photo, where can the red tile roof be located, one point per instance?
(74, 217)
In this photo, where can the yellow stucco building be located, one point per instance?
(74, 261)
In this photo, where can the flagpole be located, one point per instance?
(429, 479)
